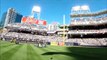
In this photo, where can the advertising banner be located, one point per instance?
(33, 21)
(54, 43)
(61, 43)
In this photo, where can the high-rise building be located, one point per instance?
(3, 19)
(18, 18)
(11, 16)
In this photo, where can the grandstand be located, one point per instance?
(89, 28)
(25, 27)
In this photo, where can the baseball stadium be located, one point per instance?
(85, 38)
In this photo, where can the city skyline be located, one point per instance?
(51, 10)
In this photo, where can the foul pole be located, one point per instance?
(64, 28)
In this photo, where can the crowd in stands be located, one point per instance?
(26, 26)
(89, 21)
(22, 38)
(88, 31)
(89, 41)
(29, 38)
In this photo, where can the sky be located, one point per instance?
(51, 10)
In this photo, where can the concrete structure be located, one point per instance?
(52, 27)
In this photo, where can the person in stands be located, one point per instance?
(13, 40)
(17, 40)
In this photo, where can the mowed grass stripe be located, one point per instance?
(90, 53)
(32, 54)
(59, 48)
(84, 53)
(41, 51)
(6, 48)
(8, 54)
(4, 42)
(6, 45)
(52, 49)
(60, 52)
(37, 51)
(21, 54)
(55, 53)
(48, 56)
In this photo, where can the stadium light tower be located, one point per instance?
(80, 9)
(85, 7)
(76, 8)
(37, 10)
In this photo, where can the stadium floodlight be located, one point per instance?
(85, 7)
(76, 8)
(36, 9)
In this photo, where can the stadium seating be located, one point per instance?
(55, 39)
(93, 21)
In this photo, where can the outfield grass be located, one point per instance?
(11, 51)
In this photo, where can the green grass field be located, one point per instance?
(11, 51)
